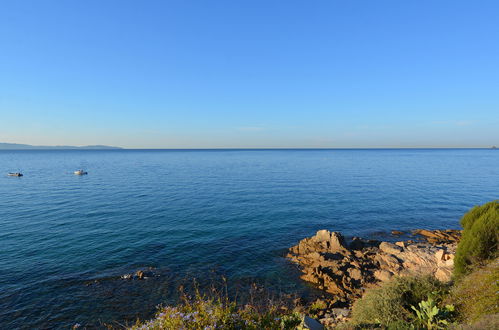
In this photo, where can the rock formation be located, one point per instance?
(345, 269)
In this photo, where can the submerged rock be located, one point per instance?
(140, 274)
(143, 274)
(397, 232)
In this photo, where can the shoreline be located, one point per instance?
(340, 270)
(344, 269)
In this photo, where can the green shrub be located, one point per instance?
(478, 243)
(391, 303)
(476, 295)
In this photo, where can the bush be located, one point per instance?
(391, 303)
(475, 295)
(202, 312)
(478, 243)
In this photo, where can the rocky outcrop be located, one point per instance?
(345, 269)
(439, 236)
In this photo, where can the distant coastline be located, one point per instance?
(17, 146)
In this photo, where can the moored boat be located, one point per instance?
(18, 174)
(80, 172)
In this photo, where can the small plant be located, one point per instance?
(317, 306)
(291, 321)
(432, 317)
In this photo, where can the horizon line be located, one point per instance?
(82, 148)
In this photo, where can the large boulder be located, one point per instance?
(332, 241)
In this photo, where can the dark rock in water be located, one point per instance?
(356, 244)
(143, 274)
(127, 276)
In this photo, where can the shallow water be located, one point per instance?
(65, 239)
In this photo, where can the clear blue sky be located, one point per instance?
(167, 74)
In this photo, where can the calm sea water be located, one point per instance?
(65, 240)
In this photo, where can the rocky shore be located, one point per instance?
(346, 268)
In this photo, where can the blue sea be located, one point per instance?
(65, 240)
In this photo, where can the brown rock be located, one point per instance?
(337, 242)
(397, 232)
(383, 275)
(401, 244)
(443, 274)
(440, 255)
(323, 235)
(390, 248)
(355, 273)
(359, 254)
(438, 236)
(425, 233)
(388, 262)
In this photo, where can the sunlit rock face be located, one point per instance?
(346, 269)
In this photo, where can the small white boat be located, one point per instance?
(80, 172)
(15, 174)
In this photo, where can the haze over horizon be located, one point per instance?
(259, 74)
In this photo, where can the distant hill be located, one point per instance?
(17, 146)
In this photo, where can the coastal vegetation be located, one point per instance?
(394, 301)
(217, 311)
(478, 244)
(468, 300)
(476, 294)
